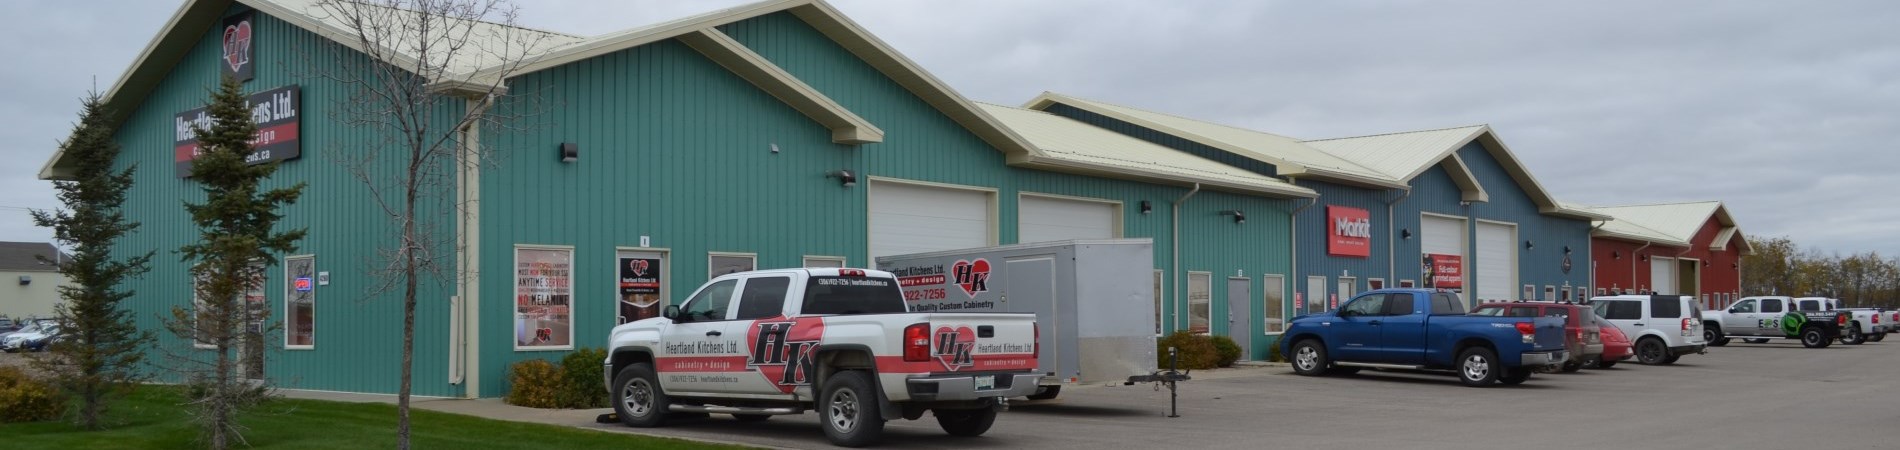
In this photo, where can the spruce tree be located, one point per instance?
(99, 359)
(236, 243)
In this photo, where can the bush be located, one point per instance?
(534, 383)
(1197, 352)
(1273, 353)
(1227, 350)
(581, 379)
(27, 399)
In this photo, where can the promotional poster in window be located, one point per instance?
(543, 298)
(639, 288)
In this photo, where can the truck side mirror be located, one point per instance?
(672, 312)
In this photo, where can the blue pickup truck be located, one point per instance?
(1423, 329)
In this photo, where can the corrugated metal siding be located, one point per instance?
(358, 336)
(1433, 192)
(1314, 232)
(1542, 264)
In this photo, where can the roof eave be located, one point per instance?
(1282, 166)
(1062, 165)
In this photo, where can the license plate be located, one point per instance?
(985, 382)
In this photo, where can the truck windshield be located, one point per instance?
(852, 295)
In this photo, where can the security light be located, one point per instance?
(1239, 217)
(844, 177)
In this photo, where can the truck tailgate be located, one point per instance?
(982, 341)
(1550, 333)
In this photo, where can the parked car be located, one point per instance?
(48, 336)
(1662, 327)
(7, 325)
(1581, 331)
(1423, 329)
(1757, 319)
(1616, 346)
(838, 341)
(34, 332)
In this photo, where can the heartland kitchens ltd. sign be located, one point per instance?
(1348, 231)
(276, 112)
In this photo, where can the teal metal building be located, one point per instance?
(770, 135)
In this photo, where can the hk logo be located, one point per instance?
(639, 267)
(973, 277)
(237, 45)
(954, 346)
(783, 351)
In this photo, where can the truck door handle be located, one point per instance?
(1639, 324)
(713, 333)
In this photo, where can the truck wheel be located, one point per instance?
(638, 399)
(1651, 351)
(1572, 366)
(751, 417)
(1814, 337)
(1309, 358)
(1713, 334)
(1478, 367)
(965, 422)
(849, 410)
(1046, 393)
(1854, 336)
(1877, 337)
(1517, 376)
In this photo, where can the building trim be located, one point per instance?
(846, 127)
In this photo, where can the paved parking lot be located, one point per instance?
(1743, 396)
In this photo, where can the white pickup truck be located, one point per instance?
(840, 341)
(1866, 321)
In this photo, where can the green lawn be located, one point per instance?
(151, 418)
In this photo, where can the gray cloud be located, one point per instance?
(1785, 111)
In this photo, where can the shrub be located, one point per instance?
(534, 383)
(1196, 351)
(27, 399)
(581, 385)
(1273, 353)
(1227, 350)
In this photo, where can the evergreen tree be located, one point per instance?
(236, 242)
(99, 360)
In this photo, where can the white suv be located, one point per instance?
(1661, 328)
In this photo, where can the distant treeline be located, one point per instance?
(1779, 267)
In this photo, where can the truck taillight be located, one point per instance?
(1528, 331)
(1841, 318)
(850, 272)
(1876, 319)
(917, 342)
(1038, 328)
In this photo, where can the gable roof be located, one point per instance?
(1406, 155)
(1065, 143)
(25, 256)
(1672, 223)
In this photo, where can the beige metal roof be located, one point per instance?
(489, 43)
(1400, 155)
(1671, 223)
(1066, 142)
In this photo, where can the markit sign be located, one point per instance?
(1348, 231)
(276, 112)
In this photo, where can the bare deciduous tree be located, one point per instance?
(424, 73)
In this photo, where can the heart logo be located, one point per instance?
(639, 266)
(972, 276)
(237, 45)
(955, 347)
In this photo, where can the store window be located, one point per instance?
(1373, 284)
(1274, 286)
(728, 263)
(1200, 304)
(1407, 283)
(300, 302)
(544, 297)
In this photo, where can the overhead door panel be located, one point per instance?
(1662, 275)
(1496, 261)
(909, 218)
(1442, 236)
(1052, 219)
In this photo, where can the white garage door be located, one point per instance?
(1496, 262)
(909, 218)
(1041, 219)
(1662, 275)
(1441, 236)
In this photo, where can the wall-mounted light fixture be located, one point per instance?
(570, 151)
(1566, 249)
(1645, 258)
(1734, 265)
(1528, 245)
(1405, 233)
(1705, 264)
(1239, 217)
(1615, 255)
(844, 177)
(1147, 207)
(26, 280)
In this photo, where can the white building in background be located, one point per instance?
(29, 287)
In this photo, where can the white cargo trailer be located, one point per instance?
(1093, 300)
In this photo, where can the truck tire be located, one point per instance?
(1815, 337)
(965, 422)
(1651, 351)
(1513, 377)
(1571, 366)
(749, 418)
(1713, 334)
(1877, 337)
(1853, 336)
(637, 397)
(1478, 367)
(848, 410)
(1046, 393)
(1309, 358)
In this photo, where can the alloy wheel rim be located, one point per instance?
(1476, 368)
(1307, 358)
(844, 410)
(638, 398)
(1652, 351)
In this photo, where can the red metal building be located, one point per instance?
(1674, 248)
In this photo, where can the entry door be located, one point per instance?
(1662, 275)
(1315, 294)
(1347, 287)
(1030, 287)
(1240, 314)
(641, 285)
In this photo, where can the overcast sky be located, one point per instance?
(1789, 112)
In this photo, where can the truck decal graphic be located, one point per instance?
(782, 350)
(972, 276)
(954, 347)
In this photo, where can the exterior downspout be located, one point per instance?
(1176, 246)
(1391, 245)
(1634, 256)
(1589, 250)
(468, 249)
(1293, 244)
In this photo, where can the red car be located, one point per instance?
(1581, 329)
(1616, 347)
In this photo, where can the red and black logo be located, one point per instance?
(237, 47)
(972, 276)
(954, 347)
(782, 350)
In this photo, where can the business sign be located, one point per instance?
(1444, 271)
(276, 112)
(1348, 231)
(639, 287)
(236, 43)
